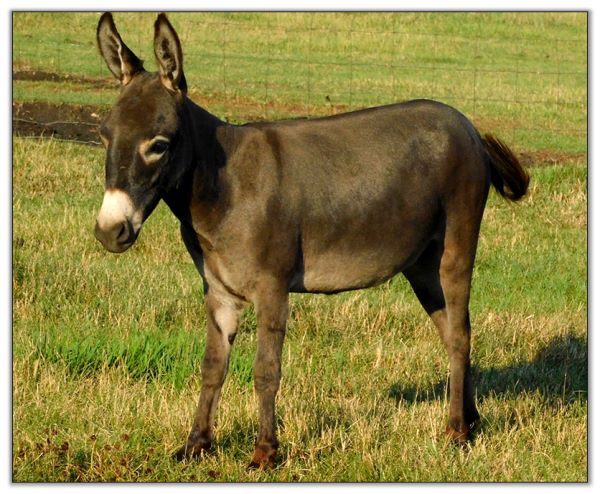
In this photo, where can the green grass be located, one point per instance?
(107, 349)
(522, 75)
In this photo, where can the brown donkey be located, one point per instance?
(315, 206)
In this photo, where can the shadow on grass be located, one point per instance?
(558, 372)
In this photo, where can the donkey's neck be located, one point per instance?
(202, 123)
(199, 186)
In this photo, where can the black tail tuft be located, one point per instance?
(509, 178)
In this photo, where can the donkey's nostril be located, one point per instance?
(124, 232)
(122, 235)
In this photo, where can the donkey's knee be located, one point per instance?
(213, 369)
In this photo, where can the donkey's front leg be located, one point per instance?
(271, 312)
(222, 318)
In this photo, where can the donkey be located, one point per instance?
(313, 206)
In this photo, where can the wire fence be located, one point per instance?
(521, 75)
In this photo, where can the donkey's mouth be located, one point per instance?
(119, 248)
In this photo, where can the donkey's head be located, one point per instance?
(142, 133)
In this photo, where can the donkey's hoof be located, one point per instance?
(458, 435)
(263, 458)
(189, 451)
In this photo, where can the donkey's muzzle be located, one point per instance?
(118, 237)
(119, 221)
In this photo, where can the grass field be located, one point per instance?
(107, 349)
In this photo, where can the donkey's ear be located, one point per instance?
(169, 56)
(121, 61)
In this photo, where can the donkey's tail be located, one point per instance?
(508, 176)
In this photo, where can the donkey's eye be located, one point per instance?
(153, 150)
(158, 147)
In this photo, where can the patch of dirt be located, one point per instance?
(62, 121)
(40, 75)
(549, 157)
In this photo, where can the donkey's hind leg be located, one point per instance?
(425, 277)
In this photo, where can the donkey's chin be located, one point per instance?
(118, 248)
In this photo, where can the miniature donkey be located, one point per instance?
(314, 206)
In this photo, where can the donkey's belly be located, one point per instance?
(358, 235)
(335, 271)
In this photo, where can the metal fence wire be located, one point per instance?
(522, 75)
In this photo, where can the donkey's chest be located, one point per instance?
(232, 276)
